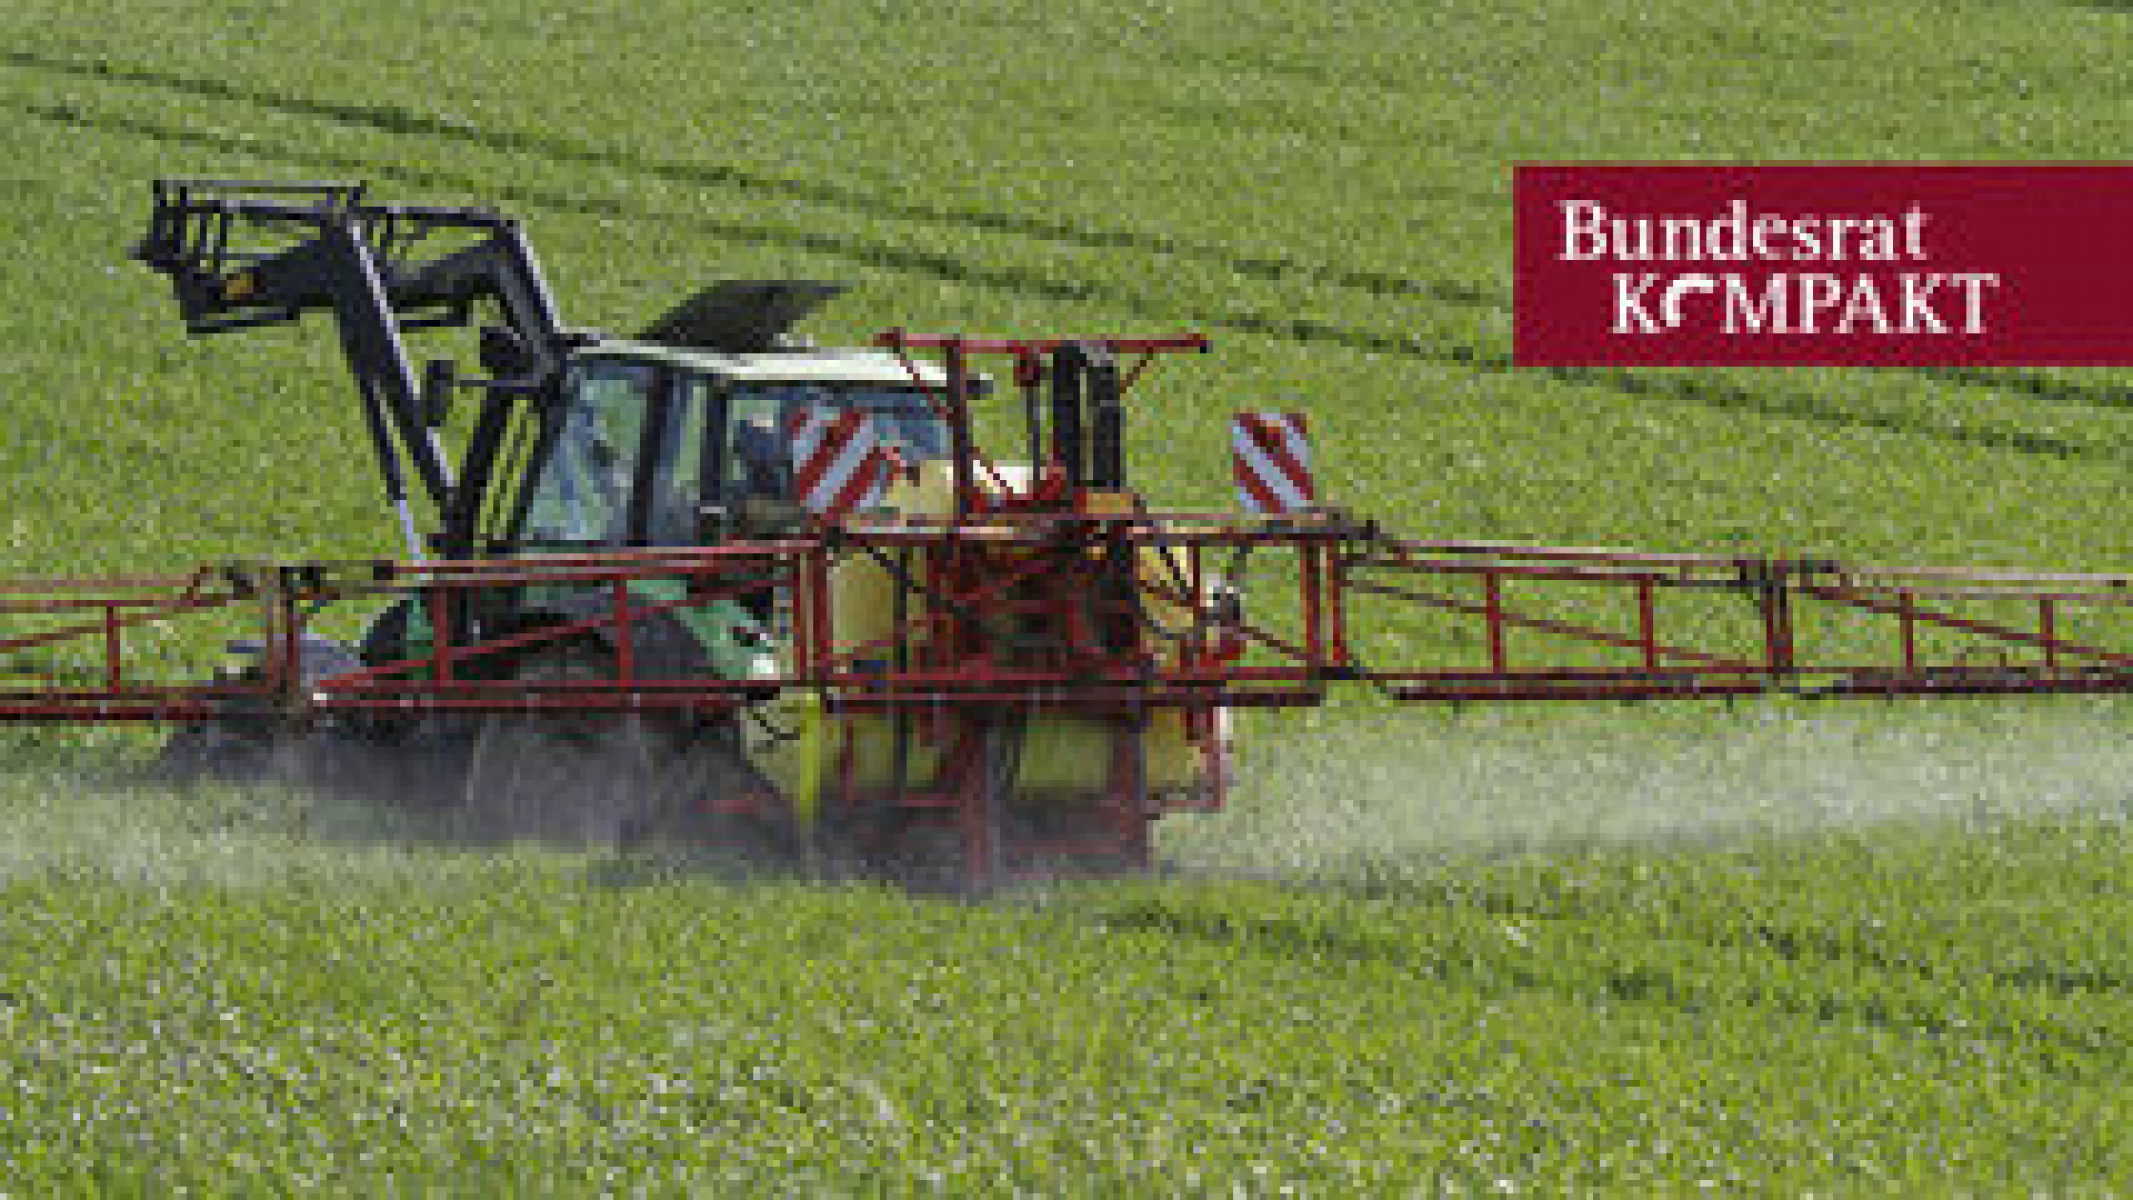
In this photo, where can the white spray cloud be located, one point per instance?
(1400, 792)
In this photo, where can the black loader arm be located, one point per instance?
(241, 255)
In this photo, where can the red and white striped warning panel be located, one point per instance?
(837, 464)
(1273, 455)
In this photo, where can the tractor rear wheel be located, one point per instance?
(563, 778)
(626, 780)
(710, 801)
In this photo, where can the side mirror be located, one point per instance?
(439, 377)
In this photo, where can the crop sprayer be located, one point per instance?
(717, 583)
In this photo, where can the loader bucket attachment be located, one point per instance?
(206, 234)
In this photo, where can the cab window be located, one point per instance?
(582, 493)
(762, 417)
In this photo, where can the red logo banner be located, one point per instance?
(1823, 264)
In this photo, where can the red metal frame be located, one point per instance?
(968, 570)
(1954, 603)
(952, 405)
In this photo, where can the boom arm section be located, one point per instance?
(241, 255)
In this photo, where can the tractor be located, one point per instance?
(580, 444)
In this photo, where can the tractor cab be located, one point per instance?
(650, 445)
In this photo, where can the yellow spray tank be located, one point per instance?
(1063, 754)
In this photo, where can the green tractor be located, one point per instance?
(579, 443)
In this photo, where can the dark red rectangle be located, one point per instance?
(1795, 264)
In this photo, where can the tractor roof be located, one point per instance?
(876, 367)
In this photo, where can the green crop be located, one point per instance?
(1780, 947)
(251, 991)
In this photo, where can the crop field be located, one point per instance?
(1777, 946)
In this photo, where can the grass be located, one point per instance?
(1783, 947)
(262, 992)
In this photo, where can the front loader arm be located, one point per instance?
(241, 255)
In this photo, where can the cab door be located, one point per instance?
(622, 461)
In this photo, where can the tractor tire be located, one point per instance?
(618, 780)
(697, 767)
(566, 779)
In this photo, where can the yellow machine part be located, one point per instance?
(1061, 753)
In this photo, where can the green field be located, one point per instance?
(1790, 947)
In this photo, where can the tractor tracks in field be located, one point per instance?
(398, 120)
(919, 262)
(1700, 389)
